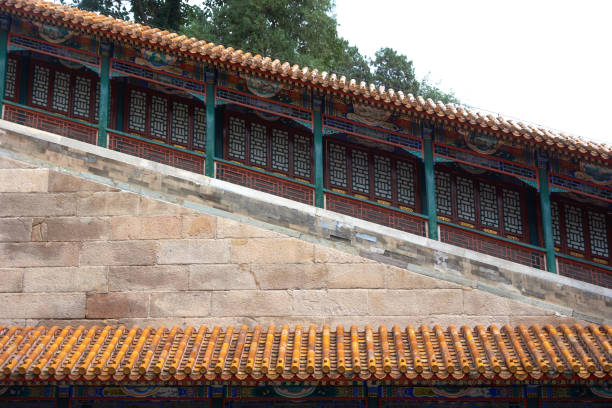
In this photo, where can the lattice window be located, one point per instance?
(199, 128)
(179, 131)
(444, 193)
(236, 140)
(258, 144)
(97, 103)
(405, 183)
(574, 228)
(489, 212)
(360, 171)
(338, 175)
(159, 117)
(556, 222)
(383, 187)
(280, 150)
(138, 111)
(513, 217)
(61, 91)
(10, 87)
(302, 156)
(40, 85)
(466, 207)
(82, 97)
(598, 234)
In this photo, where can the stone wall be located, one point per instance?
(79, 250)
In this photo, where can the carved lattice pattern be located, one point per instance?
(513, 217)
(574, 228)
(159, 117)
(489, 212)
(280, 150)
(179, 132)
(598, 234)
(40, 85)
(466, 207)
(258, 144)
(383, 186)
(137, 117)
(82, 97)
(338, 175)
(444, 193)
(97, 103)
(10, 87)
(236, 140)
(199, 128)
(360, 172)
(302, 156)
(492, 246)
(61, 91)
(265, 183)
(584, 272)
(377, 214)
(405, 183)
(556, 223)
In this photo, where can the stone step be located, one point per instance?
(16, 180)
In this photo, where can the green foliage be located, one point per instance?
(303, 32)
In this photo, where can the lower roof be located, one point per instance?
(239, 353)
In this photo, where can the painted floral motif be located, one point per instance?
(595, 174)
(262, 87)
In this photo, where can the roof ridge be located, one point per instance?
(175, 42)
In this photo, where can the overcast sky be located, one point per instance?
(548, 62)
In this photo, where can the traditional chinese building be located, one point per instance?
(390, 208)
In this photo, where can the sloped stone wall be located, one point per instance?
(72, 249)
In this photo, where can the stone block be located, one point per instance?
(37, 205)
(398, 278)
(150, 227)
(227, 228)
(83, 279)
(198, 226)
(117, 305)
(76, 229)
(147, 278)
(39, 254)
(42, 305)
(24, 180)
(15, 229)
(60, 182)
(328, 255)
(6, 163)
(356, 276)
(118, 253)
(334, 302)
(267, 251)
(221, 277)
(478, 302)
(414, 302)
(251, 303)
(150, 206)
(290, 276)
(11, 280)
(193, 251)
(188, 304)
(107, 203)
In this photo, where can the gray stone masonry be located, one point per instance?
(89, 235)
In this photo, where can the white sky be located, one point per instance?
(548, 62)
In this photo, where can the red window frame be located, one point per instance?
(73, 74)
(586, 254)
(170, 98)
(394, 202)
(269, 127)
(477, 224)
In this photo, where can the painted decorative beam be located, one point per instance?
(106, 50)
(430, 181)
(210, 123)
(317, 128)
(547, 231)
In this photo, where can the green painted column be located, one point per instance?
(430, 182)
(547, 231)
(5, 24)
(210, 123)
(317, 129)
(105, 53)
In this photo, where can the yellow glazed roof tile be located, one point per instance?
(124, 31)
(175, 354)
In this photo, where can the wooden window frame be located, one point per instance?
(394, 202)
(170, 99)
(499, 186)
(587, 254)
(73, 74)
(18, 74)
(269, 127)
